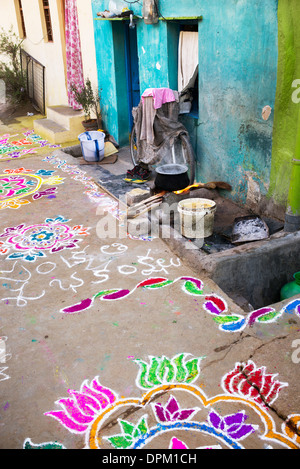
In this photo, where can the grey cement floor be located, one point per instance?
(111, 342)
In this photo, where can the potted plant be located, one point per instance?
(90, 102)
(11, 71)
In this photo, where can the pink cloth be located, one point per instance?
(160, 96)
(73, 52)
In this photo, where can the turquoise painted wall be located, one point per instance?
(110, 56)
(157, 51)
(238, 52)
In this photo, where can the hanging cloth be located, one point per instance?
(73, 52)
(160, 96)
(187, 59)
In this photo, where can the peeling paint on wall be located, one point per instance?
(266, 112)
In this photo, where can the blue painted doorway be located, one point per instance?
(132, 71)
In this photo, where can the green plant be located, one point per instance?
(10, 69)
(89, 100)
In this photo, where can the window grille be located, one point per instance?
(35, 73)
(48, 20)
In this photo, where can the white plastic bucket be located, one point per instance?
(92, 145)
(197, 217)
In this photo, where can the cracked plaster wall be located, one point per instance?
(237, 81)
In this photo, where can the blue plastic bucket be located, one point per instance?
(92, 145)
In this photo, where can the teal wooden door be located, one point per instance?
(132, 71)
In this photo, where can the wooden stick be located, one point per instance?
(134, 210)
(149, 207)
(160, 194)
(147, 201)
(206, 185)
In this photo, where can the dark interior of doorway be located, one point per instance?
(132, 71)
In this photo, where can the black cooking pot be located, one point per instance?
(172, 177)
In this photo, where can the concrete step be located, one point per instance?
(53, 132)
(66, 117)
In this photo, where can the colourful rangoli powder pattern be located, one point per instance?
(91, 189)
(21, 186)
(213, 304)
(34, 241)
(87, 411)
(17, 146)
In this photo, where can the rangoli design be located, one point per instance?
(16, 185)
(213, 304)
(173, 407)
(91, 189)
(16, 146)
(33, 241)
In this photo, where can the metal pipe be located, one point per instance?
(292, 216)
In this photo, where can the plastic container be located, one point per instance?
(197, 217)
(291, 288)
(92, 145)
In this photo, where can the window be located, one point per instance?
(183, 62)
(49, 32)
(20, 18)
(188, 63)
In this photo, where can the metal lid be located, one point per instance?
(171, 169)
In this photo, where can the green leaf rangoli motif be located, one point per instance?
(129, 433)
(162, 370)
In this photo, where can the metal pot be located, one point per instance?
(172, 177)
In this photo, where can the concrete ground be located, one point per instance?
(110, 341)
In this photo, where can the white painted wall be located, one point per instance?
(7, 15)
(7, 19)
(86, 26)
(51, 54)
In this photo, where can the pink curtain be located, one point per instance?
(73, 52)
